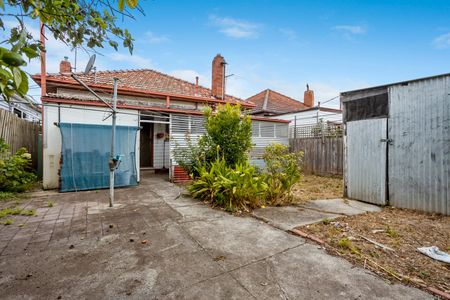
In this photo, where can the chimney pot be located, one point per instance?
(218, 77)
(308, 97)
(65, 67)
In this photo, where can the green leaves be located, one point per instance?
(121, 5)
(283, 171)
(232, 188)
(228, 134)
(132, 3)
(90, 24)
(15, 175)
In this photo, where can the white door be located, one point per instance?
(366, 160)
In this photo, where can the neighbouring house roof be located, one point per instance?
(146, 81)
(272, 103)
(325, 109)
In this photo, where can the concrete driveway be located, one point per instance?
(160, 244)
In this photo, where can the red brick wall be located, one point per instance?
(308, 98)
(217, 76)
(180, 175)
(65, 67)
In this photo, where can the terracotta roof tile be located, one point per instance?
(142, 80)
(272, 102)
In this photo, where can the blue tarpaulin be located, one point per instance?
(85, 155)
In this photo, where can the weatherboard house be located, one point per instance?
(156, 113)
(304, 116)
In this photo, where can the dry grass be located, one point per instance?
(403, 231)
(313, 187)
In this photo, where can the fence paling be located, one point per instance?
(19, 133)
(322, 156)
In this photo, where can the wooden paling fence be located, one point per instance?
(19, 133)
(322, 156)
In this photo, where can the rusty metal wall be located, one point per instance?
(419, 158)
(365, 174)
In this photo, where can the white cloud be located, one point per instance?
(350, 29)
(189, 75)
(442, 41)
(153, 38)
(235, 28)
(128, 60)
(290, 34)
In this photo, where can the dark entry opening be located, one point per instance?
(146, 152)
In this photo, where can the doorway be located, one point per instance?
(146, 149)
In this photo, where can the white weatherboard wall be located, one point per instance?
(309, 117)
(264, 133)
(80, 115)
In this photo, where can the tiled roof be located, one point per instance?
(145, 80)
(272, 102)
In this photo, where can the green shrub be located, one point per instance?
(231, 188)
(282, 172)
(15, 171)
(228, 134)
(192, 158)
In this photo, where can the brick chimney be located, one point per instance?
(308, 97)
(218, 77)
(64, 66)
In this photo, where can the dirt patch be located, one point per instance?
(312, 187)
(401, 230)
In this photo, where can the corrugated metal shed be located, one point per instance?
(419, 157)
(417, 139)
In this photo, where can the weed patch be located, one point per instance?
(7, 222)
(13, 211)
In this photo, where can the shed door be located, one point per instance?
(366, 160)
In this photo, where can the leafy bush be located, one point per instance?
(228, 134)
(15, 171)
(282, 172)
(192, 158)
(231, 188)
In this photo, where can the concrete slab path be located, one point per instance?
(289, 217)
(160, 244)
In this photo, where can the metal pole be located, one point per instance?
(295, 127)
(113, 141)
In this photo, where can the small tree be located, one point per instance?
(228, 134)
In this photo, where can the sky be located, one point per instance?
(334, 46)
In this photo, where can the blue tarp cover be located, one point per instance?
(85, 155)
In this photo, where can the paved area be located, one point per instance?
(160, 244)
(289, 217)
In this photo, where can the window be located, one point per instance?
(282, 130)
(255, 128)
(267, 129)
(197, 125)
(367, 108)
(180, 123)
